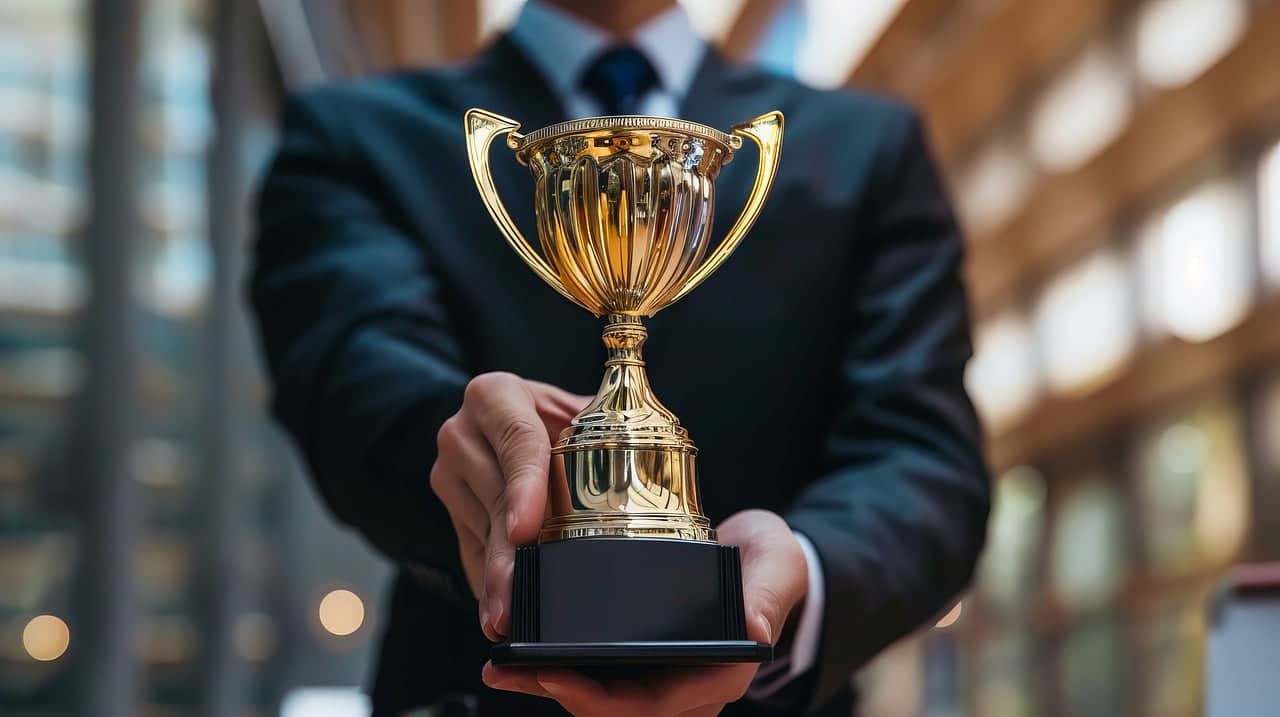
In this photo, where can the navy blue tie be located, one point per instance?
(618, 79)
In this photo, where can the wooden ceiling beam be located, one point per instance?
(1007, 50)
(1168, 136)
(1158, 377)
(965, 64)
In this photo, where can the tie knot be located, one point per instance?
(618, 78)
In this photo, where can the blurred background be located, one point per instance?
(1116, 164)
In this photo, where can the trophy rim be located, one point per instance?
(617, 123)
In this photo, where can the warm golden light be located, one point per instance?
(46, 638)
(950, 618)
(341, 612)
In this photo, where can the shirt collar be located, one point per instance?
(562, 46)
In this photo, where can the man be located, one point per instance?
(423, 370)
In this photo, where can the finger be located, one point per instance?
(512, 680)
(484, 503)
(464, 467)
(465, 454)
(672, 694)
(581, 695)
(471, 525)
(505, 412)
(774, 576)
(465, 509)
(471, 550)
(499, 563)
(712, 685)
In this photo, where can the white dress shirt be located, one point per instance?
(562, 47)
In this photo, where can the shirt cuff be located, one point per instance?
(775, 675)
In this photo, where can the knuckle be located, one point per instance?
(486, 385)
(436, 480)
(449, 437)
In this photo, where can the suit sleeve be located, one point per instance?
(899, 515)
(356, 339)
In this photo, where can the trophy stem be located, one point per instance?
(625, 466)
(624, 337)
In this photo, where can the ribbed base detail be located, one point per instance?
(735, 619)
(524, 596)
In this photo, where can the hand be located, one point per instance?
(491, 475)
(775, 579)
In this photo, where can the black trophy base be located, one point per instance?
(627, 601)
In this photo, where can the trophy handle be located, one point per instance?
(481, 127)
(766, 132)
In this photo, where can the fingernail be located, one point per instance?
(495, 610)
(484, 616)
(511, 523)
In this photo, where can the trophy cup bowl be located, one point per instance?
(626, 569)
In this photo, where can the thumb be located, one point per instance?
(774, 572)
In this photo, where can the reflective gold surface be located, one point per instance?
(624, 208)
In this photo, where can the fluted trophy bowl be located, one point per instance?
(624, 211)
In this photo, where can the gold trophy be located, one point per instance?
(626, 569)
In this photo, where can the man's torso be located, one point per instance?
(747, 361)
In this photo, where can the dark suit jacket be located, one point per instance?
(819, 371)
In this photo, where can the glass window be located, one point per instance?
(893, 683)
(1265, 437)
(837, 34)
(1177, 40)
(1007, 571)
(43, 91)
(1173, 646)
(1095, 669)
(1007, 673)
(712, 18)
(1082, 111)
(1194, 490)
(1089, 545)
(1196, 262)
(994, 185)
(1269, 210)
(1003, 376)
(1084, 321)
(498, 15)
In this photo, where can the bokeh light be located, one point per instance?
(341, 612)
(46, 637)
